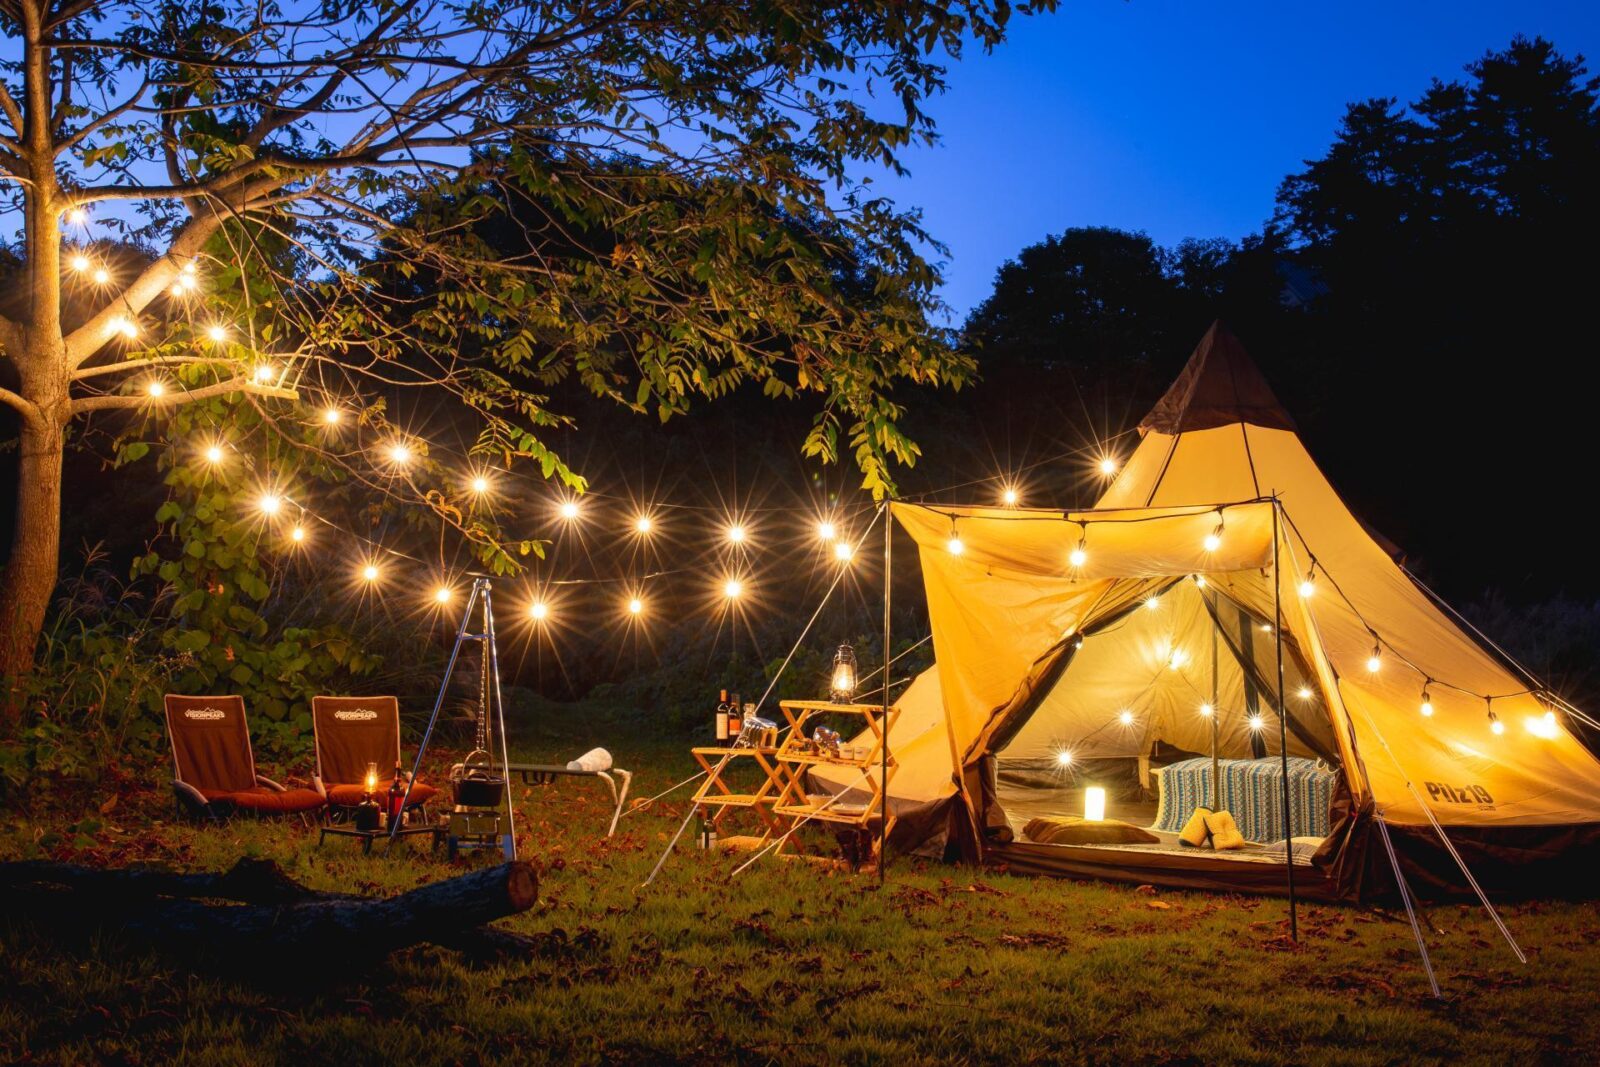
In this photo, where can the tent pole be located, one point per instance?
(1216, 721)
(1283, 726)
(888, 660)
(1411, 913)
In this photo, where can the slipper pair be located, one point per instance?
(1216, 827)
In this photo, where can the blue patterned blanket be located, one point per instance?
(1253, 791)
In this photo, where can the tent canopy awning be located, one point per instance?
(1139, 543)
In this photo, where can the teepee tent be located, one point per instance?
(1220, 604)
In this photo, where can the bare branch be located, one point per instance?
(21, 404)
(124, 402)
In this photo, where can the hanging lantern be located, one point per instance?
(842, 687)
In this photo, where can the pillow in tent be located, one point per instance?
(1225, 833)
(1194, 833)
(1075, 830)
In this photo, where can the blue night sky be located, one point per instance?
(1178, 119)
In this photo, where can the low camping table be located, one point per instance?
(366, 836)
(545, 773)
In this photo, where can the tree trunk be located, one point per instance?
(30, 574)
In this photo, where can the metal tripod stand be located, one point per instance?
(491, 727)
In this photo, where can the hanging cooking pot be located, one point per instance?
(476, 784)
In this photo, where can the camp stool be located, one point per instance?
(214, 769)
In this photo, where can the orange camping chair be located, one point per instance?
(353, 733)
(214, 769)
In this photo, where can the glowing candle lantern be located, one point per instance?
(1094, 804)
(842, 685)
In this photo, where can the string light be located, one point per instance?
(77, 215)
(1495, 725)
(539, 611)
(1257, 722)
(442, 595)
(1308, 587)
(736, 534)
(298, 534)
(1064, 758)
(332, 416)
(1199, 581)
(1427, 704)
(1152, 602)
(733, 588)
(400, 453)
(568, 510)
(125, 326)
(101, 276)
(1213, 539)
(1375, 661)
(270, 503)
(635, 606)
(217, 332)
(1108, 466)
(1544, 726)
(480, 484)
(1080, 552)
(955, 546)
(264, 373)
(643, 525)
(214, 453)
(1178, 658)
(79, 262)
(827, 531)
(1304, 693)
(1126, 718)
(1009, 497)
(1206, 711)
(369, 573)
(842, 551)
(155, 389)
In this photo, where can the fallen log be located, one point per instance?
(266, 921)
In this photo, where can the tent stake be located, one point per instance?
(1405, 898)
(1283, 726)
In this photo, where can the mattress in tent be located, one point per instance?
(1252, 790)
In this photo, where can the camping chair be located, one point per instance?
(351, 733)
(214, 769)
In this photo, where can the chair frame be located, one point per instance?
(191, 804)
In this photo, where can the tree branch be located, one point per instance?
(124, 402)
(21, 404)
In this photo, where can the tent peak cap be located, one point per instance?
(1220, 385)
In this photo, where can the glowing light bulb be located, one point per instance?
(217, 332)
(101, 276)
(635, 606)
(1199, 581)
(1257, 722)
(643, 524)
(539, 611)
(1152, 602)
(827, 531)
(1178, 658)
(1304, 693)
(332, 416)
(1266, 627)
(79, 262)
(1212, 542)
(1010, 498)
(480, 485)
(736, 535)
(1543, 726)
(842, 551)
(189, 269)
(732, 588)
(176, 290)
(1427, 706)
(77, 216)
(1064, 758)
(1206, 711)
(369, 573)
(569, 509)
(1078, 556)
(186, 282)
(442, 595)
(954, 546)
(264, 373)
(1308, 588)
(1126, 718)
(1108, 465)
(400, 454)
(213, 453)
(1375, 661)
(298, 534)
(155, 389)
(126, 327)
(1497, 727)
(270, 503)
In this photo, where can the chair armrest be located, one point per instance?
(189, 793)
(316, 783)
(191, 802)
(262, 780)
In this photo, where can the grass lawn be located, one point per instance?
(792, 962)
